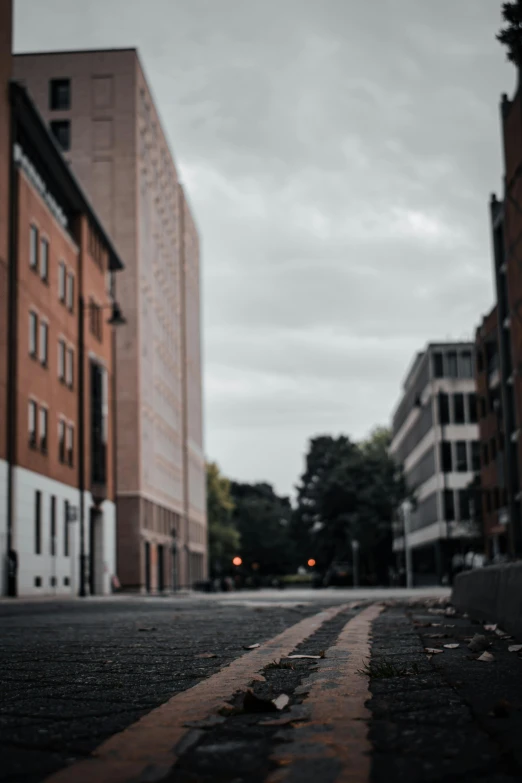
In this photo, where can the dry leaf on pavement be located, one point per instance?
(478, 643)
(206, 655)
(451, 646)
(432, 650)
(250, 646)
(515, 647)
(308, 657)
(486, 657)
(490, 627)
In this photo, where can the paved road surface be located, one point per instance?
(148, 686)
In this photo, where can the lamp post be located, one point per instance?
(116, 319)
(355, 560)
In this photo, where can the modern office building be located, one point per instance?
(435, 439)
(101, 111)
(58, 503)
(493, 495)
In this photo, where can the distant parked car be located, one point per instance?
(338, 575)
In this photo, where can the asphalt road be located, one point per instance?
(74, 672)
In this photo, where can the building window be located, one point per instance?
(61, 360)
(449, 505)
(445, 452)
(466, 365)
(61, 130)
(61, 440)
(38, 581)
(462, 459)
(53, 526)
(70, 367)
(38, 522)
(480, 360)
(444, 413)
(66, 528)
(485, 454)
(95, 319)
(61, 282)
(458, 401)
(43, 430)
(32, 424)
(70, 444)
(464, 507)
(44, 332)
(33, 331)
(66, 581)
(33, 247)
(438, 368)
(44, 260)
(493, 449)
(475, 455)
(60, 94)
(70, 292)
(452, 364)
(472, 400)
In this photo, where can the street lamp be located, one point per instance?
(116, 319)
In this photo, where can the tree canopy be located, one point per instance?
(223, 537)
(510, 35)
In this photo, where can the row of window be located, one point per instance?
(39, 261)
(53, 581)
(457, 408)
(53, 533)
(452, 364)
(38, 420)
(38, 349)
(451, 511)
(459, 456)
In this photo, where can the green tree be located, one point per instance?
(510, 36)
(349, 491)
(224, 540)
(263, 520)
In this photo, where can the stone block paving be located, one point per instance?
(73, 674)
(446, 717)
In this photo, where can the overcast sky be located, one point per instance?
(339, 156)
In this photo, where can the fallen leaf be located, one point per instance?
(490, 627)
(451, 646)
(515, 647)
(432, 650)
(281, 701)
(486, 657)
(478, 643)
(250, 646)
(206, 655)
(308, 657)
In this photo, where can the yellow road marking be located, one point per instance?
(149, 745)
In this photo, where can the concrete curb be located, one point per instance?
(493, 594)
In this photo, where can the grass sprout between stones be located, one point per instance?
(385, 669)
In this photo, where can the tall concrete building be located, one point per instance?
(100, 108)
(435, 439)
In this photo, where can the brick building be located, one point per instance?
(101, 110)
(435, 439)
(59, 525)
(493, 496)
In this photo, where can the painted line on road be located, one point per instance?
(146, 750)
(334, 741)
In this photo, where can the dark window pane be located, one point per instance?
(444, 417)
(464, 508)
(60, 94)
(38, 522)
(452, 364)
(438, 369)
(493, 449)
(458, 400)
(485, 454)
(53, 526)
(66, 529)
(480, 361)
(472, 399)
(446, 456)
(462, 459)
(61, 130)
(475, 455)
(466, 365)
(449, 505)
